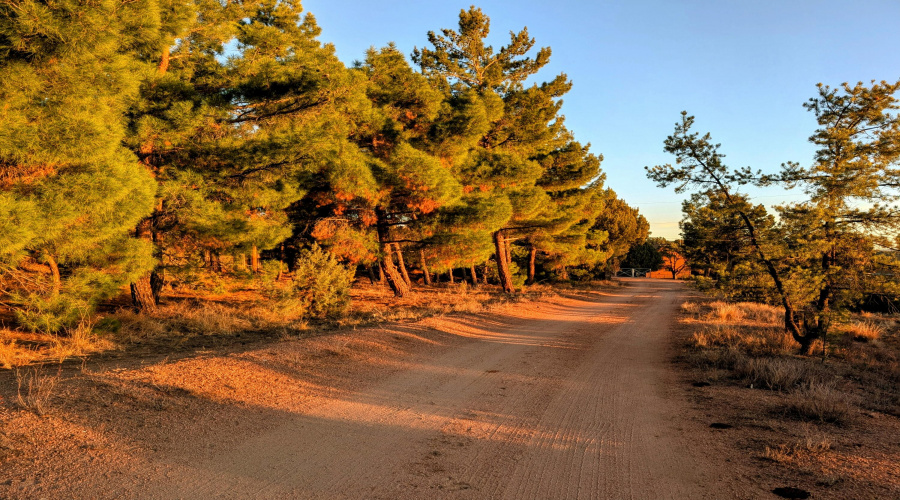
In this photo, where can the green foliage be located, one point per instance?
(321, 283)
(645, 255)
(50, 314)
(821, 254)
(69, 192)
(715, 238)
(184, 136)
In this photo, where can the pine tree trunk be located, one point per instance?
(146, 291)
(54, 275)
(164, 61)
(142, 296)
(502, 263)
(532, 255)
(402, 265)
(281, 263)
(450, 275)
(565, 273)
(425, 272)
(474, 276)
(389, 270)
(254, 259)
(372, 278)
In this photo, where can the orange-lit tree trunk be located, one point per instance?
(54, 274)
(254, 259)
(532, 255)
(389, 270)
(425, 272)
(402, 265)
(146, 290)
(474, 275)
(502, 255)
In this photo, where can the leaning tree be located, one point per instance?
(820, 254)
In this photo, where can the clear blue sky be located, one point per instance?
(743, 68)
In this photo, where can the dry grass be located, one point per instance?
(187, 319)
(812, 444)
(756, 341)
(19, 348)
(725, 312)
(762, 313)
(848, 391)
(692, 308)
(865, 331)
(194, 318)
(775, 374)
(13, 353)
(35, 389)
(820, 403)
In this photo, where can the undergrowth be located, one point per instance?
(276, 308)
(858, 367)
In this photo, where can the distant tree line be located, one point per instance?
(144, 139)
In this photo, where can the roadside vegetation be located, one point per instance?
(229, 175)
(798, 341)
(820, 423)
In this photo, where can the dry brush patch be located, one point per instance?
(826, 423)
(196, 318)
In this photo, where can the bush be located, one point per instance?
(51, 314)
(321, 284)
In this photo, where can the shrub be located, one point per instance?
(321, 284)
(51, 314)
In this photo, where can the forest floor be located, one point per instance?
(570, 396)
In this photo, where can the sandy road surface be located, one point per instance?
(572, 399)
(572, 405)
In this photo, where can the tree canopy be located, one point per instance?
(144, 141)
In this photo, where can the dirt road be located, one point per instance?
(571, 399)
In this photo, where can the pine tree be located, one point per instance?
(237, 140)
(820, 257)
(408, 182)
(571, 177)
(69, 191)
(617, 228)
(523, 122)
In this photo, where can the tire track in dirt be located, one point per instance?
(573, 398)
(569, 402)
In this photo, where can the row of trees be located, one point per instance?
(816, 258)
(142, 138)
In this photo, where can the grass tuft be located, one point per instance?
(865, 331)
(726, 312)
(35, 389)
(819, 402)
(773, 373)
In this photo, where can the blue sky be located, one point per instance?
(743, 68)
